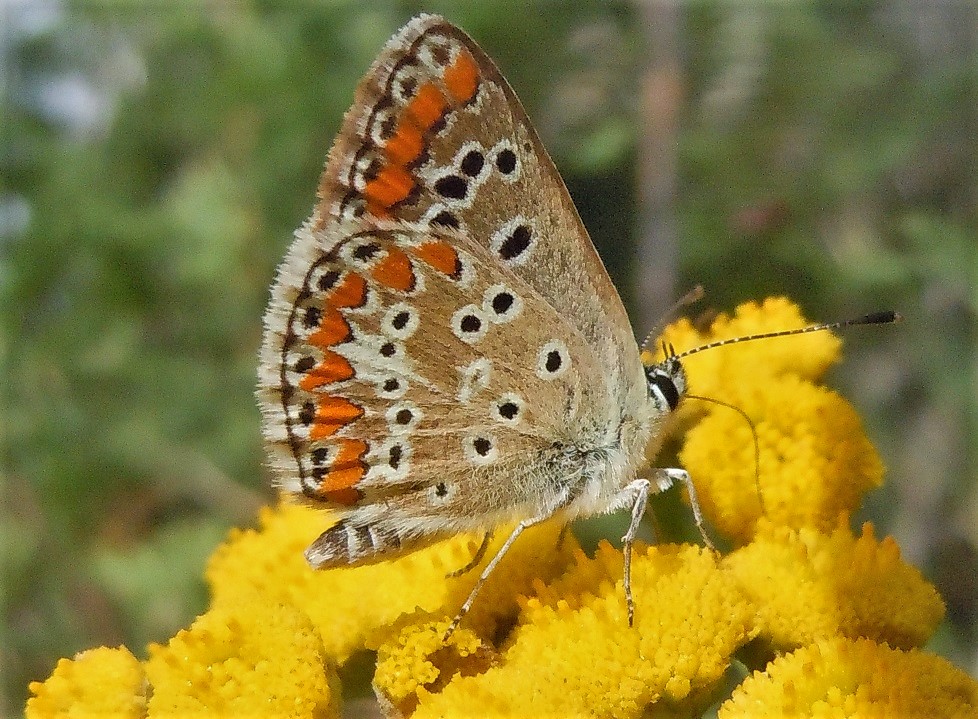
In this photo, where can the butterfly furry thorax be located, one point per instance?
(444, 350)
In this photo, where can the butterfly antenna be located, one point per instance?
(753, 433)
(873, 318)
(694, 295)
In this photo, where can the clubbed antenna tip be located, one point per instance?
(883, 317)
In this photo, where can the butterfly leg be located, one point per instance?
(665, 478)
(510, 540)
(640, 489)
(476, 558)
(639, 492)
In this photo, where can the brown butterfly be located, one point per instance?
(444, 351)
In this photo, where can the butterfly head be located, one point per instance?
(666, 381)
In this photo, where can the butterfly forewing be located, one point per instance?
(436, 135)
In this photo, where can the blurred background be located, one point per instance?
(156, 157)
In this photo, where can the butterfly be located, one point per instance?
(444, 350)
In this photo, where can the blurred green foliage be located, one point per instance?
(156, 158)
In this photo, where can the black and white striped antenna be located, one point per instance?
(884, 317)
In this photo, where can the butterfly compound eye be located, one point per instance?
(666, 383)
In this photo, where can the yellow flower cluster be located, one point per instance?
(349, 606)
(258, 657)
(262, 658)
(277, 631)
(832, 621)
(572, 652)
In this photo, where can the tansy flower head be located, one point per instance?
(98, 682)
(809, 585)
(814, 461)
(858, 679)
(416, 658)
(258, 655)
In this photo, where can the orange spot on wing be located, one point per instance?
(346, 469)
(395, 182)
(406, 144)
(395, 271)
(333, 329)
(351, 292)
(332, 415)
(440, 255)
(427, 106)
(333, 368)
(392, 185)
(462, 77)
(424, 110)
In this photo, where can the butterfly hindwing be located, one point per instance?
(416, 387)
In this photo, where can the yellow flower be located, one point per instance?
(349, 605)
(417, 657)
(572, 652)
(815, 462)
(855, 679)
(809, 585)
(100, 682)
(256, 657)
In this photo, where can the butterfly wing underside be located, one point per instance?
(436, 135)
(419, 372)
